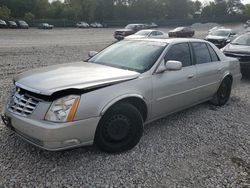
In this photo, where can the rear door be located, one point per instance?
(209, 68)
(173, 90)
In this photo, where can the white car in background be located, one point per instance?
(82, 25)
(147, 33)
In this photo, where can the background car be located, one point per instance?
(221, 37)
(22, 24)
(96, 25)
(128, 30)
(82, 25)
(152, 25)
(45, 26)
(3, 24)
(104, 25)
(182, 32)
(147, 33)
(215, 28)
(240, 49)
(247, 24)
(12, 24)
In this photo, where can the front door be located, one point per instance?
(172, 90)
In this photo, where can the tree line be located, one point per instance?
(101, 10)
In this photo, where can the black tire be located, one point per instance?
(223, 94)
(120, 129)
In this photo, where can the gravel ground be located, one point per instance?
(204, 146)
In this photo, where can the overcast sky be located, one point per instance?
(203, 1)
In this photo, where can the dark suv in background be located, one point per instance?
(221, 37)
(22, 24)
(129, 30)
(12, 24)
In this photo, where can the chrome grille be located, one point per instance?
(22, 104)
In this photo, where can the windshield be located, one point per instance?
(143, 33)
(138, 56)
(130, 26)
(222, 33)
(242, 40)
(179, 28)
(22, 22)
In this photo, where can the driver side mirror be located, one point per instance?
(170, 66)
(92, 53)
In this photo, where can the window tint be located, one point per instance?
(180, 52)
(213, 53)
(153, 33)
(201, 52)
(159, 33)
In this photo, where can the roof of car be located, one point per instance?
(170, 40)
(136, 24)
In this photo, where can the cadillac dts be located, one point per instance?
(107, 100)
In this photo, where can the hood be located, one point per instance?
(173, 31)
(80, 75)
(124, 30)
(136, 37)
(237, 48)
(216, 37)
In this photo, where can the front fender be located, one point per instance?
(122, 97)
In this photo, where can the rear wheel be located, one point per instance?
(120, 128)
(223, 94)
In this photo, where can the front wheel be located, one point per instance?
(120, 128)
(223, 94)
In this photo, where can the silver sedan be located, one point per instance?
(148, 33)
(108, 99)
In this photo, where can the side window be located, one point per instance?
(159, 33)
(180, 52)
(153, 33)
(202, 54)
(213, 54)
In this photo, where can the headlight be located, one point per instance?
(63, 109)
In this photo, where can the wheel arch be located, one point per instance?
(136, 100)
(228, 74)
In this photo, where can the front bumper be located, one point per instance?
(52, 136)
(119, 37)
(245, 66)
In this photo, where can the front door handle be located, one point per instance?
(190, 76)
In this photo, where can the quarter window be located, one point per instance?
(180, 52)
(201, 51)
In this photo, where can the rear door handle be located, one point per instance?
(190, 76)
